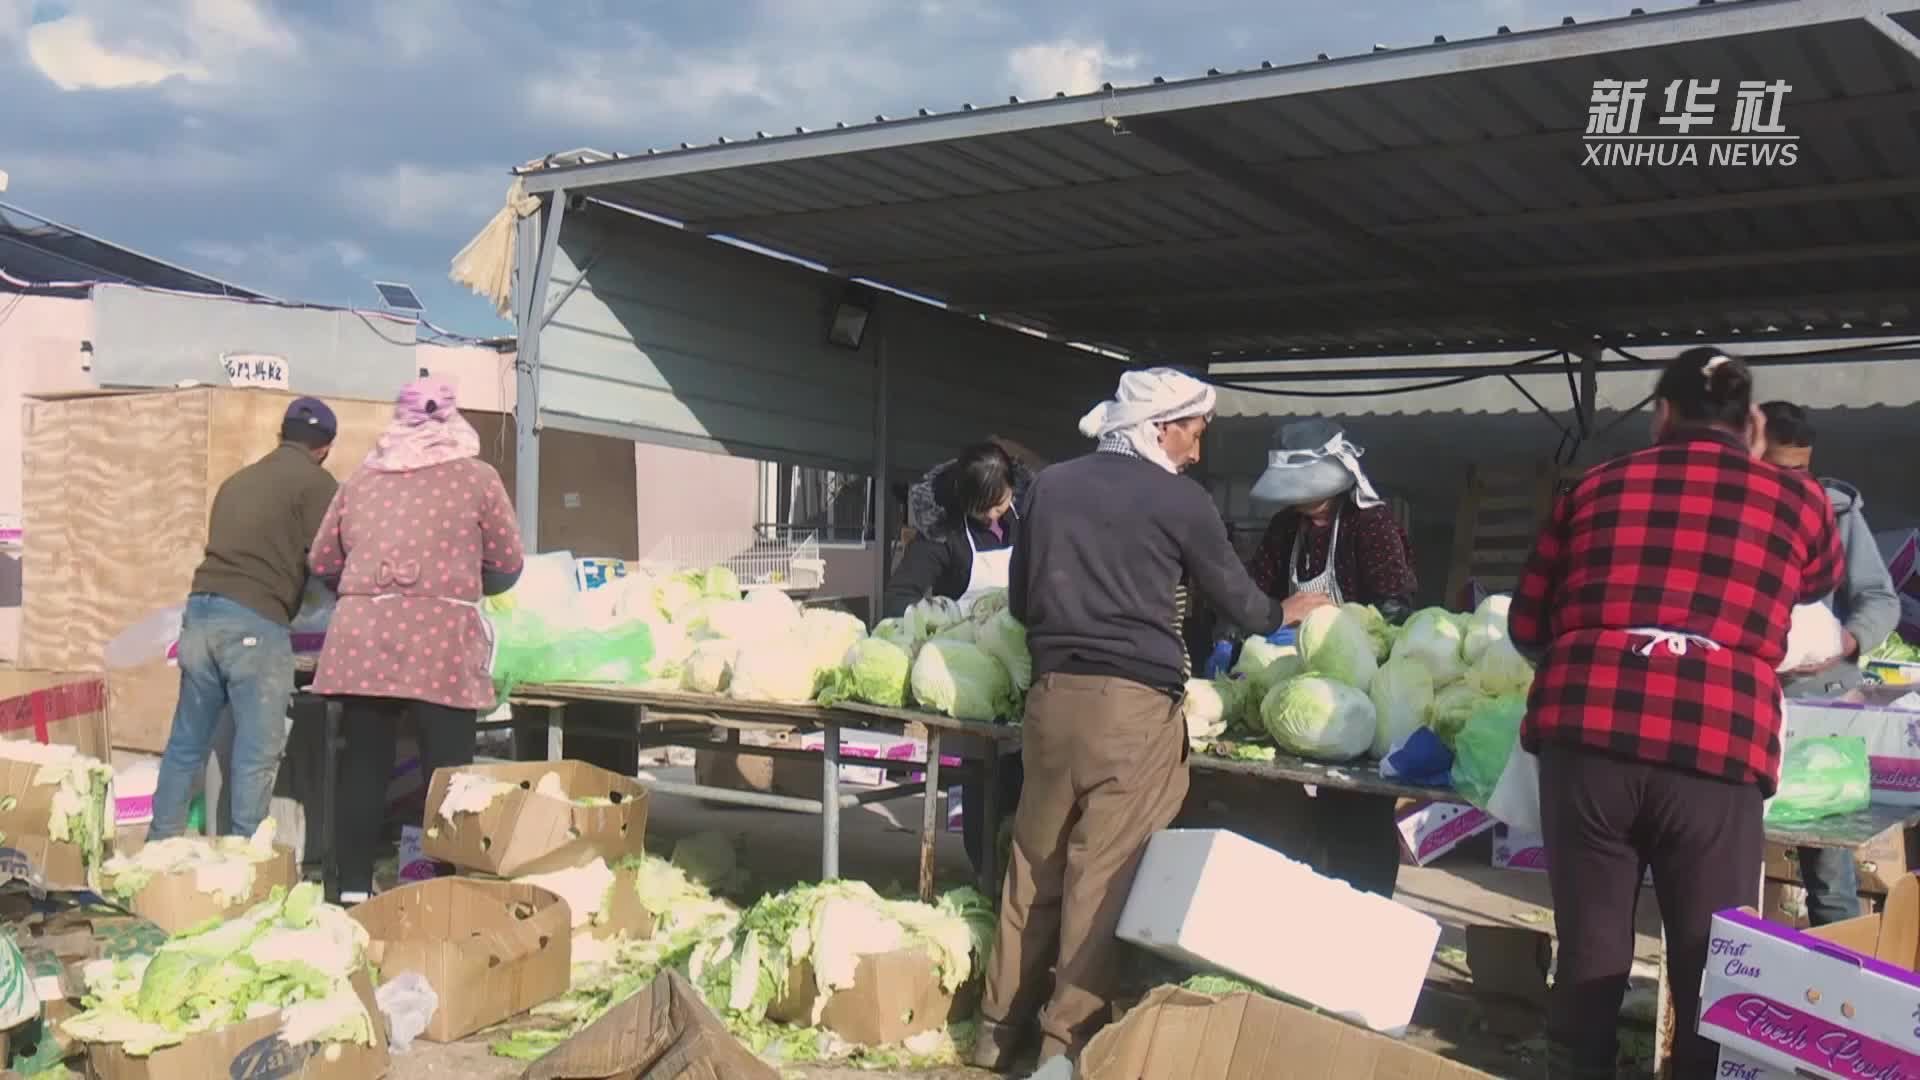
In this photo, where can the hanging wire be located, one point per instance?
(1412, 388)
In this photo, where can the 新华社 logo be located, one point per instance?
(1688, 125)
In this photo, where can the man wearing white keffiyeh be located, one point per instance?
(1106, 541)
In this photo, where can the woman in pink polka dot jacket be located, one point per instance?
(411, 543)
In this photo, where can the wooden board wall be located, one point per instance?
(117, 489)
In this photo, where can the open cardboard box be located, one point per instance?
(179, 901)
(1838, 1001)
(251, 1050)
(1881, 861)
(490, 949)
(1177, 1034)
(522, 832)
(27, 851)
(894, 997)
(664, 1032)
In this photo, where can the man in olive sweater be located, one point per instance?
(236, 648)
(1108, 539)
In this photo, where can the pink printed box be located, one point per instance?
(1892, 735)
(1841, 1002)
(1429, 830)
(1518, 849)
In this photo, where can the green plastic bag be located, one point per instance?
(1485, 742)
(1821, 778)
(528, 649)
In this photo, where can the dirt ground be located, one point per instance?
(879, 845)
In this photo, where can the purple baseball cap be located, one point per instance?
(312, 413)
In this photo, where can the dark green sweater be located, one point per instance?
(264, 519)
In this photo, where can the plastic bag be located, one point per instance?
(1484, 746)
(1821, 778)
(1515, 801)
(156, 637)
(408, 1001)
(528, 649)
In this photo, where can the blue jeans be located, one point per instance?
(1833, 885)
(230, 657)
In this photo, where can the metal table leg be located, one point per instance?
(930, 816)
(990, 825)
(830, 807)
(329, 800)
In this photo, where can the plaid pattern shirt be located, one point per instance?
(1694, 537)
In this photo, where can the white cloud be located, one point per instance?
(1046, 68)
(614, 91)
(117, 45)
(276, 257)
(68, 51)
(122, 174)
(410, 197)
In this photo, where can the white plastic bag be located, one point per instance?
(156, 637)
(1813, 638)
(408, 1002)
(1516, 795)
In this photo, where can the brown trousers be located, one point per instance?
(1106, 768)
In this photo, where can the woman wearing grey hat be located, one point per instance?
(1334, 535)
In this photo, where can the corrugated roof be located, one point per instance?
(1403, 201)
(47, 256)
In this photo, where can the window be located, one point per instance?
(836, 507)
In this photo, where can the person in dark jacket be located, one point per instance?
(1334, 535)
(1108, 537)
(964, 517)
(1868, 609)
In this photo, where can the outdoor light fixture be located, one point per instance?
(850, 316)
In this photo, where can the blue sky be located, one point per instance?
(308, 147)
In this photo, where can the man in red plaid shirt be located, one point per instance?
(1655, 605)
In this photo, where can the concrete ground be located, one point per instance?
(879, 845)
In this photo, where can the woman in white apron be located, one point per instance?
(1334, 536)
(966, 525)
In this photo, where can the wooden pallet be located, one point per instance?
(1500, 513)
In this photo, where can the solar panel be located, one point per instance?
(399, 297)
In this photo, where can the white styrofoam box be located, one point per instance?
(594, 573)
(1739, 1067)
(1781, 997)
(1893, 742)
(1214, 899)
(1517, 849)
(1431, 829)
(854, 744)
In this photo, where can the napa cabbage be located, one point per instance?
(875, 671)
(777, 669)
(1335, 644)
(1320, 718)
(1433, 637)
(1266, 665)
(1486, 625)
(962, 681)
(1003, 638)
(1376, 625)
(1402, 695)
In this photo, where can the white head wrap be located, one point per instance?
(1146, 398)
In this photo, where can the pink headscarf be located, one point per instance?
(427, 430)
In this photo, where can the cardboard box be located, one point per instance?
(251, 1050)
(1836, 1002)
(178, 901)
(523, 832)
(1739, 1067)
(1892, 735)
(490, 949)
(64, 707)
(1900, 549)
(664, 1032)
(135, 776)
(29, 853)
(414, 865)
(1355, 955)
(894, 997)
(1429, 830)
(746, 771)
(1881, 861)
(1176, 1034)
(1517, 849)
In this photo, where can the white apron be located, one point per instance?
(991, 570)
(1326, 583)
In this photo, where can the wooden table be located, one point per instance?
(665, 718)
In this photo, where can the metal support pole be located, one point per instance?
(830, 806)
(330, 800)
(536, 243)
(882, 520)
(1589, 401)
(930, 816)
(989, 822)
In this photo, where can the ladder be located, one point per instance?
(1500, 513)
